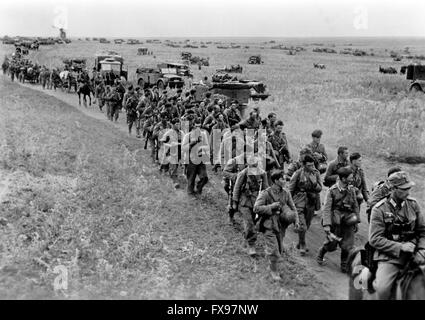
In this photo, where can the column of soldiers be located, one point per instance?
(269, 196)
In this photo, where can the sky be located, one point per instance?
(213, 18)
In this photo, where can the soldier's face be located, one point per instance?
(344, 155)
(279, 128)
(309, 166)
(316, 140)
(357, 163)
(401, 194)
(349, 179)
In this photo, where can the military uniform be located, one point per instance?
(198, 167)
(245, 193)
(319, 153)
(233, 116)
(382, 191)
(359, 181)
(250, 124)
(305, 189)
(341, 212)
(130, 104)
(172, 140)
(272, 222)
(386, 238)
(113, 104)
(280, 144)
(331, 175)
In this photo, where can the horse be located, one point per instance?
(85, 90)
(410, 284)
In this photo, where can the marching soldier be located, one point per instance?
(280, 144)
(233, 115)
(359, 180)
(172, 140)
(252, 122)
(397, 232)
(277, 211)
(249, 183)
(230, 173)
(130, 102)
(381, 190)
(305, 187)
(196, 154)
(341, 215)
(341, 161)
(318, 150)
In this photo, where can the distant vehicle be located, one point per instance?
(132, 41)
(160, 77)
(142, 51)
(75, 64)
(255, 60)
(182, 70)
(186, 55)
(416, 73)
(118, 41)
(104, 40)
(231, 69)
(110, 65)
(389, 70)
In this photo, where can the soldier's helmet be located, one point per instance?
(400, 180)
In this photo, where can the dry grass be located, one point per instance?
(82, 195)
(349, 93)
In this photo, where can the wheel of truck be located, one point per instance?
(416, 88)
(141, 83)
(160, 85)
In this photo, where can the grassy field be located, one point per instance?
(80, 194)
(350, 100)
(84, 196)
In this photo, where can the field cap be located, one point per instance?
(400, 180)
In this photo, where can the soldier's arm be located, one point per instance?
(265, 181)
(293, 183)
(325, 155)
(330, 177)
(238, 185)
(262, 207)
(318, 186)
(229, 169)
(290, 203)
(420, 228)
(291, 170)
(327, 209)
(377, 237)
(365, 192)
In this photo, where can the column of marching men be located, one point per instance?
(269, 189)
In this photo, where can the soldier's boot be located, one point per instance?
(274, 272)
(231, 213)
(251, 250)
(301, 243)
(321, 256)
(344, 257)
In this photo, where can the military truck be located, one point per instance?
(255, 60)
(416, 73)
(110, 65)
(160, 77)
(241, 90)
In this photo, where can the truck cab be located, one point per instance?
(110, 65)
(416, 73)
